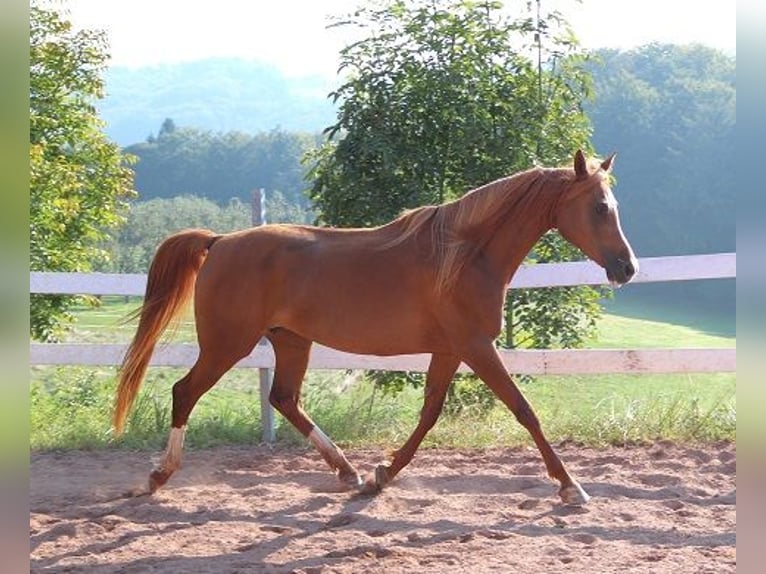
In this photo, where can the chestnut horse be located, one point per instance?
(432, 281)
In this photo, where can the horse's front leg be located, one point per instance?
(440, 372)
(486, 363)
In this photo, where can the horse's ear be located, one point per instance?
(606, 165)
(580, 165)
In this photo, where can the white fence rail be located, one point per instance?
(680, 268)
(537, 362)
(652, 269)
(532, 362)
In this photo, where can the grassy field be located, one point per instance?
(71, 407)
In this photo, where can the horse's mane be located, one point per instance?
(459, 228)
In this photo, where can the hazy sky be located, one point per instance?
(291, 33)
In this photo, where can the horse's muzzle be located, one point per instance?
(621, 271)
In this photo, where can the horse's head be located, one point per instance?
(587, 217)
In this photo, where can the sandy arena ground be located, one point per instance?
(658, 508)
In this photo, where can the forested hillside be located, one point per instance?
(668, 111)
(219, 95)
(220, 166)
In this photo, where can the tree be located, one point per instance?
(442, 97)
(220, 166)
(440, 100)
(672, 108)
(79, 180)
(168, 127)
(150, 222)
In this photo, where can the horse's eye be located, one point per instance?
(602, 208)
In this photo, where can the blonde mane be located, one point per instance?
(459, 228)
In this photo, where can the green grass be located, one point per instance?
(691, 315)
(618, 331)
(71, 406)
(108, 322)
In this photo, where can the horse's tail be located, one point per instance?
(169, 286)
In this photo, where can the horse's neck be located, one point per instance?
(517, 234)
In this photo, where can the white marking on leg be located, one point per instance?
(321, 441)
(574, 495)
(171, 460)
(324, 445)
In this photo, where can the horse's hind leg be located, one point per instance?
(205, 373)
(440, 372)
(292, 356)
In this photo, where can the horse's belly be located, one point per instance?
(369, 329)
(358, 301)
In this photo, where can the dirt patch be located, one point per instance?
(661, 508)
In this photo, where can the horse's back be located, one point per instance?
(337, 287)
(299, 253)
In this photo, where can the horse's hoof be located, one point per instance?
(381, 475)
(370, 487)
(574, 495)
(351, 480)
(157, 478)
(376, 484)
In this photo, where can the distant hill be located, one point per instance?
(219, 95)
(669, 111)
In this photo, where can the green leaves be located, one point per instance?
(219, 166)
(670, 112)
(79, 180)
(441, 97)
(150, 222)
(438, 99)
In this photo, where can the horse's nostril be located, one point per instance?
(628, 269)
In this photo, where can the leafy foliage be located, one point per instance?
(150, 222)
(672, 108)
(670, 111)
(79, 180)
(221, 166)
(441, 98)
